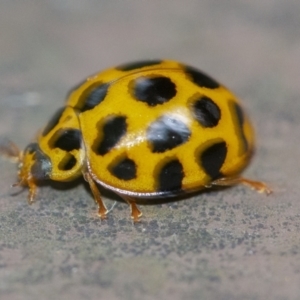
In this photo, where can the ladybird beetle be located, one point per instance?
(148, 129)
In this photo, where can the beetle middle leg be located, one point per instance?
(135, 212)
(102, 211)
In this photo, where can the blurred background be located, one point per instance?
(233, 244)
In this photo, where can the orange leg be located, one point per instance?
(32, 190)
(135, 212)
(261, 187)
(30, 182)
(102, 211)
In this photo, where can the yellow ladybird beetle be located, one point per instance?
(148, 129)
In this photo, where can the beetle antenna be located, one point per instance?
(10, 150)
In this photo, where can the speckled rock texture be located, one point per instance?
(223, 245)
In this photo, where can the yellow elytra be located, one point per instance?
(148, 129)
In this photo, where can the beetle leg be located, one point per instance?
(102, 210)
(135, 212)
(31, 183)
(259, 186)
(32, 190)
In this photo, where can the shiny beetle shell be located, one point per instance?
(145, 129)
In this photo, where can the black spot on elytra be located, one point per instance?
(92, 96)
(67, 163)
(206, 112)
(212, 159)
(66, 139)
(154, 90)
(113, 130)
(170, 176)
(201, 79)
(240, 118)
(75, 87)
(138, 65)
(53, 121)
(124, 169)
(167, 133)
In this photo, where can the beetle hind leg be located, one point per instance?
(259, 186)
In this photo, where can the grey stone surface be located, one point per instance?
(232, 244)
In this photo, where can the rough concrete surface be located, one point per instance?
(231, 244)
